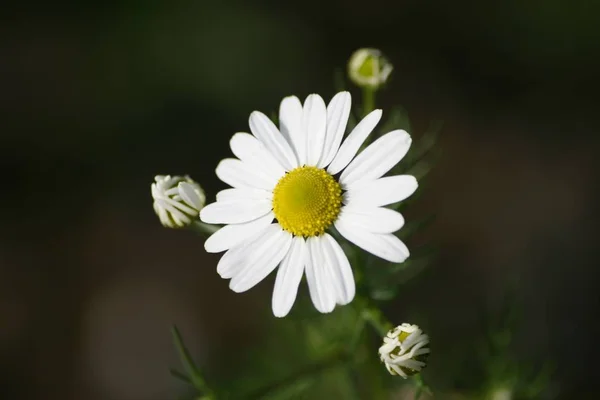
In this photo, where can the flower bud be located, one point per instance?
(177, 200)
(403, 351)
(369, 68)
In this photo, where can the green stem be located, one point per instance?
(204, 229)
(309, 371)
(373, 315)
(368, 97)
(195, 376)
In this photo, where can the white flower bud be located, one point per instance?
(177, 200)
(369, 68)
(403, 351)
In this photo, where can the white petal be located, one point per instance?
(353, 142)
(384, 245)
(238, 174)
(248, 149)
(288, 278)
(321, 289)
(162, 214)
(338, 111)
(175, 207)
(170, 212)
(290, 124)
(234, 234)
(190, 196)
(233, 260)
(382, 191)
(314, 124)
(372, 219)
(339, 267)
(244, 194)
(378, 158)
(270, 137)
(262, 259)
(234, 211)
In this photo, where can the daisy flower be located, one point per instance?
(404, 350)
(177, 200)
(293, 184)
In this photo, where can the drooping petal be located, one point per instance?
(322, 292)
(338, 111)
(314, 123)
(248, 149)
(238, 174)
(262, 259)
(339, 267)
(288, 278)
(382, 191)
(234, 211)
(290, 124)
(270, 137)
(235, 258)
(244, 194)
(233, 234)
(372, 219)
(377, 159)
(353, 142)
(383, 245)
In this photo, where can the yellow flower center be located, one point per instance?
(306, 201)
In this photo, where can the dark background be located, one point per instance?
(98, 97)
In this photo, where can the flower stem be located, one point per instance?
(368, 97)
(373, 315)
(204, 229)
(195, 377)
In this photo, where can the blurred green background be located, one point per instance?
(98, 97)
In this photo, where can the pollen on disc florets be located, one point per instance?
(306, 201)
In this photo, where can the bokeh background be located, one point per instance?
(97, 97)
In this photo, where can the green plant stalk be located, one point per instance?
(368, 98)
(311, 370)
(368, 105)
(203, 229)
(195, 377)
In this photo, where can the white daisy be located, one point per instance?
(177, 200)
(404, 350)
(287, 191)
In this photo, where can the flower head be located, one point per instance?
(177, 200)
(291, 185)
(403, 350)
(369, 68)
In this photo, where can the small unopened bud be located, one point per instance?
(177, 200)
(369, 68)
(403, 351)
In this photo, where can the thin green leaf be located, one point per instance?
(384, 293)
(397, 119)
(180, 375)
(417, 226)
(421, 147)
(188, 363)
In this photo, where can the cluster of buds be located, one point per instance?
(368, 68)
(404, 350)
(177, 200)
